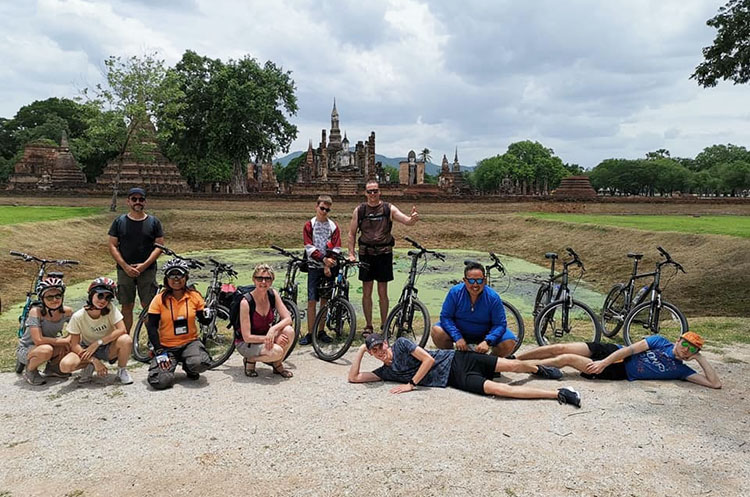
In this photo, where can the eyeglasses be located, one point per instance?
(57, 296)
(475, 281)
(692, 348)
(324, 209)
(263, 278)
(372, 192)
(138, 200)
(104, 295)
(175, 276)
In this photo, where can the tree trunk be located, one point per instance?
(238, 183)
(116, 186)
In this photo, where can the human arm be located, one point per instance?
(620, 354)
(427, 361)
(114, 251)
(152, 256)
(285, 319)
(353, 227)
(397, 215)
(448, 317)
(34, 321)
(355, 376)
(709, 378)
(498, 323)
(117, 331)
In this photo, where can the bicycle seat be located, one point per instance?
(55, 274)
(633, 255)
(550, 255)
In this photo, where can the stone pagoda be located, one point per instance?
(147, 169)
(450, 179)
(47, 167)
(575, 187)
(411, 171)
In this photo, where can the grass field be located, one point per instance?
(703, 225)
(28, 214)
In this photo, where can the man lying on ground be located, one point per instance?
(407, 363)
(654, 358)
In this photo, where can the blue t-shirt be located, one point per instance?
(657, 363)
(474, 323)
(405, 366)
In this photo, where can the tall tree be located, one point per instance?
(425, 156)
(728, 58)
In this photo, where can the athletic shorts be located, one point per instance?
(469, 371)
(614, 371)
(316, 278)
(102, 352)
(250, 350)
(145, 284)
(508, 335)
(380, 267)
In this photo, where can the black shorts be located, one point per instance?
(380, 267)
(469, 371)
(614, 371)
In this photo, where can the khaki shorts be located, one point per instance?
(145, 283)
(250, 350)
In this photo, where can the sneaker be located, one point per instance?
(567, 395)
(53, 370)
(34, 378)
(306, 340)
(124, 376)
(87, 374)
(548, 372)
(322, 337)
(192, 376)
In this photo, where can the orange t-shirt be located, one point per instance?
(174, 310)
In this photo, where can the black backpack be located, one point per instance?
(243, 293)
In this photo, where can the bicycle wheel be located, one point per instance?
(339, 326)
(542, 299)
(514, 323)
(294, 312)
(671, 324)
(141, 346)
(614, 310)
(218, 338)
(408, 321)
(583, 325)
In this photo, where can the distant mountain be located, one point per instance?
(430, 168)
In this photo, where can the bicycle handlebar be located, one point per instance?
(576, 259)
(669, 260)
(423, 250)
(286, 253)
(58, 262)
(193, 263)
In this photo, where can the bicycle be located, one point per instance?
(337, 316)
(290, 290)
(565, 319)
(409, 317)
(217, 336)
(513, 318)
(650, 315)
(620, 299)
(31, 296)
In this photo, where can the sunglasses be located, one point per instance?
(175, 276)
(692, 348)
(324, 209)
(475, 281)
(57, 296)
(104, 295)
(372, 192)
(263, 278)
(138, 200)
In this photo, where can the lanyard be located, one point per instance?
(172, 313)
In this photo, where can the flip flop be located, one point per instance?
(252, 373)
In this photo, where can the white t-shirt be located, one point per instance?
(92, 329)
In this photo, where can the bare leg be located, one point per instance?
(504, 348)
(121, 349)
(383, 301)
(288, 331)
(515, 366)
(310, 315)
(440, 338)
(39, 355)
(578, 348)
(517, 392)
(322, 321)
(572, 360)
(367, 301)
(127, 315)
(71, 362)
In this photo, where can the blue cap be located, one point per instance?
(136, 190)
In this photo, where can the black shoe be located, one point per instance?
(567, 395)
(548, 372)
(192, 376)
(322, 337)
(306, 340)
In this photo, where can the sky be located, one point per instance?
(589, 79)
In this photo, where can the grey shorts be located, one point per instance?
(22, 354)
(250, 350)
(145, 284)
(102, 353)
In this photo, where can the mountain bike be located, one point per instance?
(565, 319)
(31, 296)
(513, 318)
(289, 291)
(409, 317)
(648, 317)
(217, 336)
(336, 319)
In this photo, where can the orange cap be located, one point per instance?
(693, 338)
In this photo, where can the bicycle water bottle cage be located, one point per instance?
(632, 255)
(55, 274)
(550, 255)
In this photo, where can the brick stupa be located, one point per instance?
(47, 167)
(575, 187)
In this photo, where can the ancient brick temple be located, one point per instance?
(334, 166)
(411, 171)
(47, 167)
(450, 179)
(147, 169)
(261, 178)
(575, 187)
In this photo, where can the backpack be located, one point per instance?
(243, 293)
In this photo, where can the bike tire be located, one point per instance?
(339, 324)
(141, 348)
(218, 338)
(543, 299)
(583, 324)
(291, 306)
(515, 324)
(672, 323)
(417, 329)
(614, 310)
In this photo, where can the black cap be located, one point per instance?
(373, 339)
(136, 190)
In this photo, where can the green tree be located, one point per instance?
(728, 58)
(425, 156)
(720, 154)
(288, 173)
(8, 141)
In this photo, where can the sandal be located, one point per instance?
(284, 373)
(252, 373)
(367, 331)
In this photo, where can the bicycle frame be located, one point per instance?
(563, 292)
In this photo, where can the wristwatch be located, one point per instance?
(411, 382)
(100, 342)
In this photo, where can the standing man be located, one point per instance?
(374, 220)
(131, 243)
(322, 238)
(473, 313)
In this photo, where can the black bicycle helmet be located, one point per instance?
(102, 284)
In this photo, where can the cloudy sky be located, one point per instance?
(590, 79)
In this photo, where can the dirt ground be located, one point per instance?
(316, 434)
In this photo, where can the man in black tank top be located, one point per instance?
(374, 220)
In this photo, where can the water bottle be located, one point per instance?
(640, 294)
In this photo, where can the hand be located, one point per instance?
(414, 214)
(100, 368)
(162, 360)
(402, 388)
(329, 261)
(327, 272)
(596, 367)
(132, 271)
(269, 339)
(461, 345)
(362, 349)
(282, 339)
(352, 257)
(482, 347)
(88, 352)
